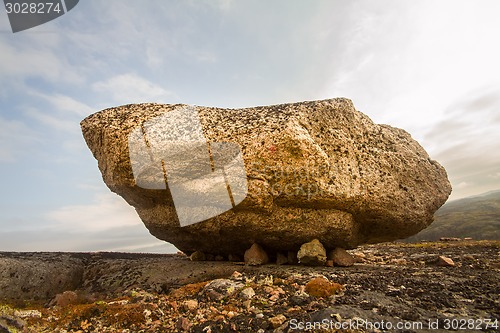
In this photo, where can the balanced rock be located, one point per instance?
(312, 253)
(341, 257)
(256, 255)
(197, 256)
(218, 180)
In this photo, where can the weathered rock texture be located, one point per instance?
(316, 169)
(255, 255)
(32, 276)
(312, 253)
(341, 257)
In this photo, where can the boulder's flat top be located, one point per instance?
(394, 282)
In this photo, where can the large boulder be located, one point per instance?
(313, 170)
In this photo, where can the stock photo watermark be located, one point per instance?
(27, 14)
(292, 180)
(204, 179)
(446, 324)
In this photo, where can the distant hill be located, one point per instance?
(477, 217)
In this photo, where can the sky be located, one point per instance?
(429, 67)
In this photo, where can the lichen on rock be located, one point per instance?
(314, 170)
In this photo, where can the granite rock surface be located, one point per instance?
(312, 170)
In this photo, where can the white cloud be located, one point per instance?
(64, 103)
(53, 120)
(106, 224)
(470, 121)
(422, 56)
(62, 113)
(123, 239)
(108, 211)
(141, 245)
(495, 175)
(223, 5)
(15, 138)
(31, 56)
(131, 88)
(205, 57)
(462, 185)
(466, 141)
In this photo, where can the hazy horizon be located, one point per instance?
(428, 67)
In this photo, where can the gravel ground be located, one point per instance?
(393, 287)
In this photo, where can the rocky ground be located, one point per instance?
(393, 287)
